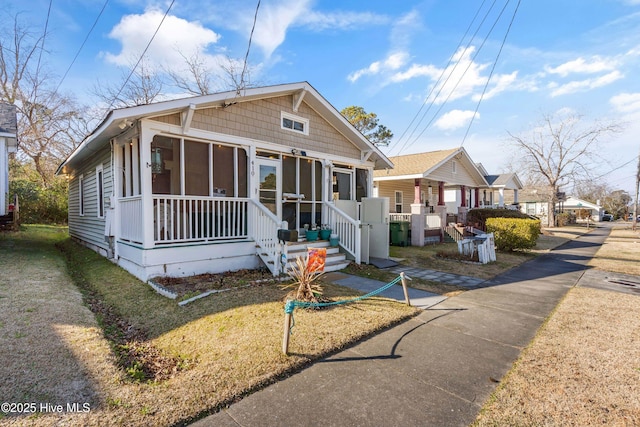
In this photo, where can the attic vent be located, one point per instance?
(294, 123)
(454, 167)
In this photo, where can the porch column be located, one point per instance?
(476, 203)
(463, 193)
(418, 224)
(501, 198)
(515, 196)
(416, 191)
(144, 148)
(440, 193)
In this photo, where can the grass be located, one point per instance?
(583, 367)
(226, 345)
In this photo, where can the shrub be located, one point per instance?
(565, 218)
(480, 216)
(514, 233)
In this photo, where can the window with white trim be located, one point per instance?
(100, 190)
(81, 195)
(398, 200)
(294, 123)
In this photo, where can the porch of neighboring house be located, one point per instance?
(239, 198)
(435, 211)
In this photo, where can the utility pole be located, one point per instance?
(635, 205)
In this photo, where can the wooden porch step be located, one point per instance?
(335, 260)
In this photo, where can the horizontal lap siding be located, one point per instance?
(90, 228)
(260, 120)
(388, 189)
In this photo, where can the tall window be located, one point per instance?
(81, 195)
(398, 199)
(100, 190)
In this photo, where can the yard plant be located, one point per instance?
(514, 233)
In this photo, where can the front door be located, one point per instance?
(269, 185)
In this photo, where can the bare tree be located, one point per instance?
(203, 78)
(197, 79)
(561, 150)
(50, 125)
(139, 84)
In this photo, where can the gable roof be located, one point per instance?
(505, 180)
(422, 164)
(8, 122)
(111, 125)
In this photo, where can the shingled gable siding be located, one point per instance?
(260, 120)
(89, 228)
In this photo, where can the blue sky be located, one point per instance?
(568, 55)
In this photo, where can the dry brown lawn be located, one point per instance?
(53, 350)
(583, 368)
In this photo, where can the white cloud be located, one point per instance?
(340, 20)
(455, 119)
(273, 22)
(391, 63)
(500, 83)
(595, 65)
(174, 36)
(626, 102)
(583, 85)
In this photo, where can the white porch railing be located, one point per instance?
(179, 219)
(131, 220)
(347, 228)
(394, 216)
(433, 221)
(264, 227)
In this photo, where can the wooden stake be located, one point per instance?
(285, 336)
(404, 288)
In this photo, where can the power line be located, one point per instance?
(141, 56)
(44, 36)
(81, 47)
(246, 57)
(442, 74)
(484, 90)
(473, 58)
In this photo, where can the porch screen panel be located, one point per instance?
(289, 175)
(342, 188)
(196, 174)
(361, 183)
(242, 173)
(223, 172)
(306, 188)
(167, 178)
(318, 181)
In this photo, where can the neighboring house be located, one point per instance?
(202, 184)
(439, 185)
(495, 195)
(574, 205)
(8, 144)
(444, 180)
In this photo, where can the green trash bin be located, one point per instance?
(399, 232)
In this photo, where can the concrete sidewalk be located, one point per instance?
(436, 369)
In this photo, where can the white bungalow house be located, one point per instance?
(202, 184)
(578, 207)
(502, 191)
(8, 144)
(445, 184)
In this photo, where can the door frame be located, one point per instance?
(261, 161)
